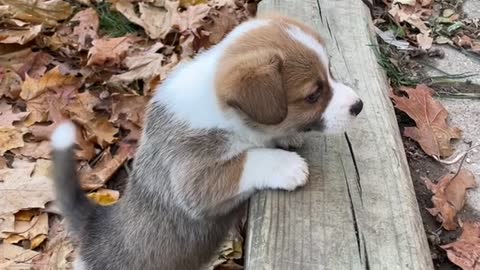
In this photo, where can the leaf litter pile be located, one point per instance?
(96, 63)
(407, 30)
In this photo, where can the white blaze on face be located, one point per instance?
(337, 115)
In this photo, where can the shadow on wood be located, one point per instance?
(359, 210)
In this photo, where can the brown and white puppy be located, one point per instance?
(209, 144)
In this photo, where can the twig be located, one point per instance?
(461, 162)
(457, 158)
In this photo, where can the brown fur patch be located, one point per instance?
(262, 94)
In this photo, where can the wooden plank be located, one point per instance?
(359, 210)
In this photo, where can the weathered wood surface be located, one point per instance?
(359, 209)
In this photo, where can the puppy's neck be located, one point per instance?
(189, 92)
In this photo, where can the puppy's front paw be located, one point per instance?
(291, 174)
(291, 142)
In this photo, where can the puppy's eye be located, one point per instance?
(313, 98)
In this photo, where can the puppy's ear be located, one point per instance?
(254, 84)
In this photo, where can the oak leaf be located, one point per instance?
(432, 131)
(449, 196)
(10, 138)
(35, 230)
(34, 150)
(19, 36)
(465, 252)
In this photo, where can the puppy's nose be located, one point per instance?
(356, 108)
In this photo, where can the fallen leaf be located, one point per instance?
(424, 41)
(465, 252)
(156, 20)
(109, 51)
(54, 78)
(405, 2)
(106, 167)
(8, 117)
(413, 15)
(449, 196)
(104, 197)
(141, 67)
(88, 24)
(34, 230)
(25, 185)
(10, 138)
(463, 41)
(129, 107)
(432, 131)
(34, 150)
(10, 83)
(15, 257)
(448, 12)
(47, 12)
(19, 36)
(58, 251)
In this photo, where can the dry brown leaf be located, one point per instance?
(109, 51)
(88, 24)
(223, 21)
(34, 150)
(25, 185)
(104, 197)
(129, 107)
(465, 252)
(34, 230)
(58, 251)
(144, 67)
(53, 79)
(47, 12)
(106, 167)
(19, 36)
(10, 83)
(156, 20)
(463, 41)
(8, 117)
(414, 15)
(432, 131)
(10, 138)
(449, 196)
(15, 257)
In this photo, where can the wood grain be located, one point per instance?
(359, 209)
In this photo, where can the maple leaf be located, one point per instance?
(53, 79)
(25, 185)
(449, 196)
(465, 252)
(109, 51)
(432, 131)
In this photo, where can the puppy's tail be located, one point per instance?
(75, 206)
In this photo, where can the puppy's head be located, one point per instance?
(277, 76)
